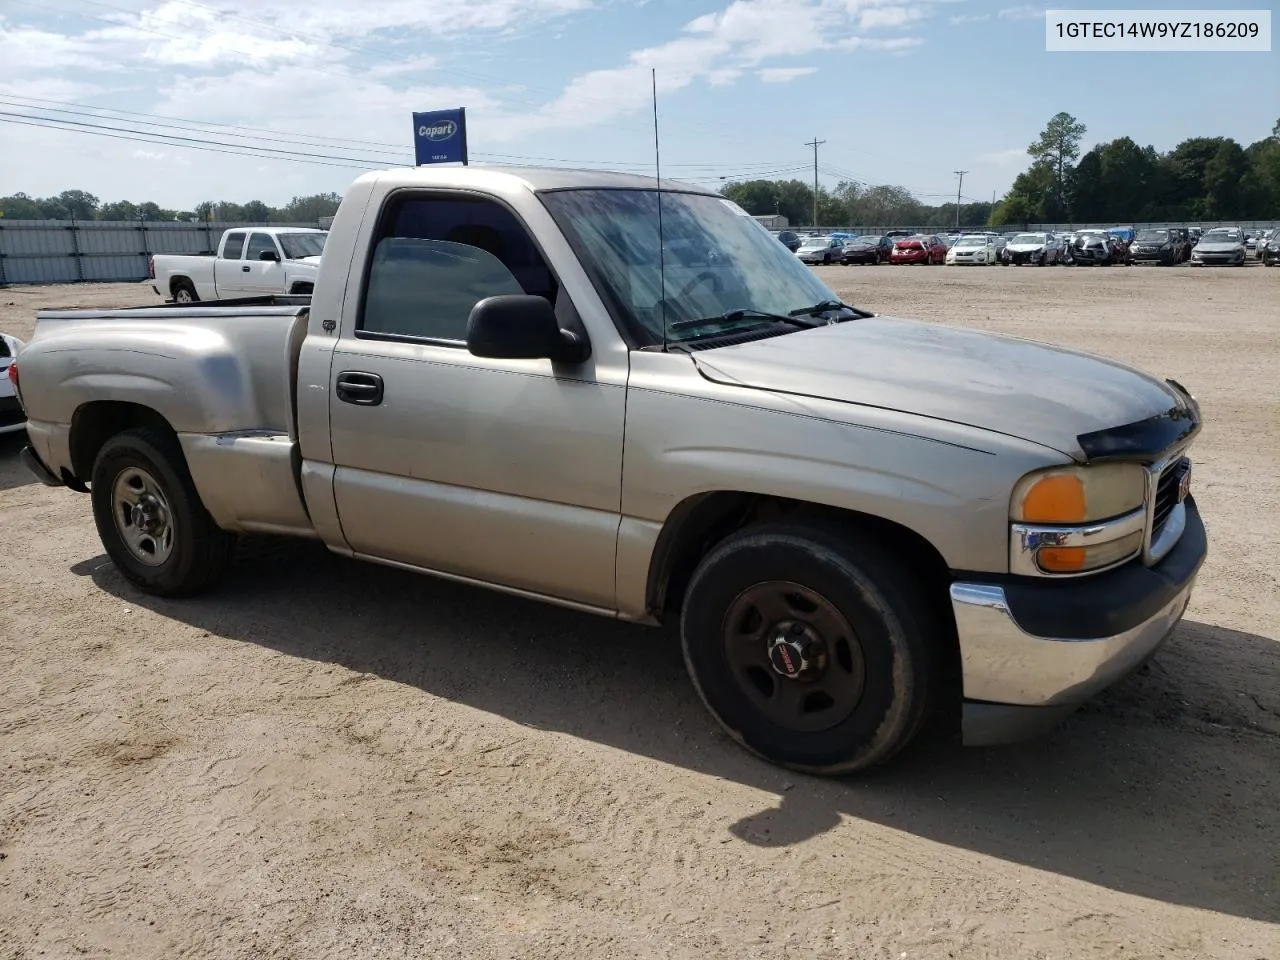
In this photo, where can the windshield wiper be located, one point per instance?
(828, 306)
(733, 316)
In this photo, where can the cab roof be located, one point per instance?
(537, 179)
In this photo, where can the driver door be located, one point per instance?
(507, 472)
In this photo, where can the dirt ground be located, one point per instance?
(330, 759)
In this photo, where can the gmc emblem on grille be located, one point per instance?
(1184, 482)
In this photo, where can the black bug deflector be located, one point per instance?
(1145, 439)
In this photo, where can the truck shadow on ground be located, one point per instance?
(1164, 788)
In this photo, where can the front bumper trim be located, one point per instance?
(1003, 664)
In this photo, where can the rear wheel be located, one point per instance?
(150, 518)
(184, 291)
(814, 650)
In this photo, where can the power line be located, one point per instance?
(8, 101)
(50, 123)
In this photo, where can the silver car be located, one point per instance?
(1221, 245)
(814, 250)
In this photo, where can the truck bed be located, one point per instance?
(221, 373)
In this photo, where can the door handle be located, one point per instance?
(245, 268)
(362, 389)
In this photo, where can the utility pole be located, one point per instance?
(815, 143)
(960, 174)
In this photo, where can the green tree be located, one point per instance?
(20, 207)
(1058, 146)
(1223, 182)
(119, 210)
(758, 197)
(256, 211)
(78, 204)
(1088, 196)
(1126, 176)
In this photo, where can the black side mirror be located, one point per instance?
(269, 255)
(520, 327)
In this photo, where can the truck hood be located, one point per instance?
(1022, 388)
(309, 261)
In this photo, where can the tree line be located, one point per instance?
(1202, 178)
(848, 204)
(82, 205)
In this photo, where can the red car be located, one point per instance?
(919, 249)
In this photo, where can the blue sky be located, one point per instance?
(902, 91)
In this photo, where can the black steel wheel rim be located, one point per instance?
(794, 656)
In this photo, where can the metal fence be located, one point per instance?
(74, 251)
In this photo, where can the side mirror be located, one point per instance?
(269, 255)
(521, 327)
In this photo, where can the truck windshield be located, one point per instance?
(716, 260)
(299, 245)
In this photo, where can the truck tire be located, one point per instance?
(184, 291)
(150, 518)
(816, 651)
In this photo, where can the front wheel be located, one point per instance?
(814, 650)
(150, 518)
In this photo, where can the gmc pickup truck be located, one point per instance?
(504, 378)
(250, 262)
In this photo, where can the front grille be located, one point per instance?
(1167, 493)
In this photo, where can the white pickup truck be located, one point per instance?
(503, 377)
(250, 262)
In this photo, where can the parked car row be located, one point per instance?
(1166, 246)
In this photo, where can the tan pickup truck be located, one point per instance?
(858, 522)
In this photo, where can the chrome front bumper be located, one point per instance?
(1003, 663)
(1031, 652)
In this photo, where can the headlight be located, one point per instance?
(1077, 519)
(1079, 494)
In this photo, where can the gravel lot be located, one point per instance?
(334, 759)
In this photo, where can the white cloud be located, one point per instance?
(969, 18)
(723, 77)
(399, 67)
(1024, 12)
(783, 74)
(1004, 158)
(876, 17)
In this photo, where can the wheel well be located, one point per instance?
(699, 523)
(178, 280)
(303, 287)
(93, 424)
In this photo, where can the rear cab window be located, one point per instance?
(435, 257)
(233, 246)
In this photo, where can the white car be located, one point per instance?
(821, 250)
(12, 419)
(1038, 248)
(976, 248)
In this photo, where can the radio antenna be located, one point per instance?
(657, 168)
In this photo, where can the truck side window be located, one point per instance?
(434, 258)
(258, 243)
(234, 247)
